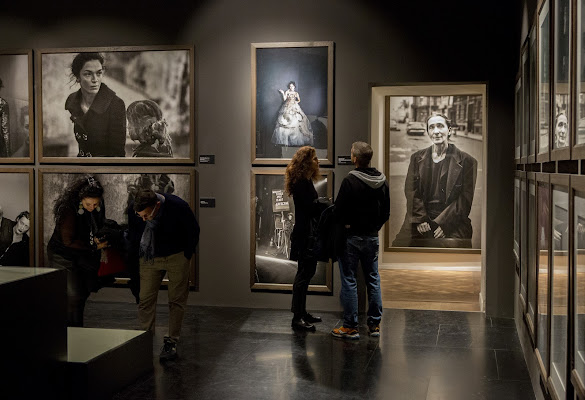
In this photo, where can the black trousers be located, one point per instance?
(306, 270)
(79, 285)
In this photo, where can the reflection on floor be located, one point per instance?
(238, 353)
(431, 289)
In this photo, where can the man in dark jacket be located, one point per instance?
(163, 233)
(362, 207)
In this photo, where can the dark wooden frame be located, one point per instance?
(544, 370)
(191, 146)
(328, 161)
(544, 7)
(127, 170)
(564, 181)
(31, 115)
(328, 287)
(577, 184)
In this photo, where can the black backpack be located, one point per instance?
(321, 241)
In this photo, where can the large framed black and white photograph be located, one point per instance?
(272, 219)
(434, 161)
(16, 110)
(17, 217)
(120, 185)
(292, 101)
(116, 104)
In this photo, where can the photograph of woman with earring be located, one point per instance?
(79, 214)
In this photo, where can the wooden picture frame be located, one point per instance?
(17, 196)
(406, 111)
(16, 107)
(544, 83)
(142, 112)
(284, 121)
(271, 222)
(119, 185)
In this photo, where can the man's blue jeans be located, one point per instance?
(364, 249)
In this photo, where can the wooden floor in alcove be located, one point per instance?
(431, 289)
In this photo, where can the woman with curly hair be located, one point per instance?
(299, 176)
(75, 245)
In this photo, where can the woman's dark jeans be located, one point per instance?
(306, 270)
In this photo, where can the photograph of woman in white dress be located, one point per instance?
(293, 128)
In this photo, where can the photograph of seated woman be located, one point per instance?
(147, 126)
(98, 115)
(18, 252)
(299, 176)
(293, 128)
(439, 189)
(74, 246)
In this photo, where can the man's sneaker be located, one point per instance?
(346, 333)
(169, 350)
(374, 331)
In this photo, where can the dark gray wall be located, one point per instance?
(380, 42)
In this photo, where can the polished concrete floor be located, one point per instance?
(238, 353)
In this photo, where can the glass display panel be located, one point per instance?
(533, 108)
(580, 137)
(579, 235)
(543, 264)
(562, 73)
(532, 250)
(560, 292)
(517, 218)
(544, 79)
(523, 241)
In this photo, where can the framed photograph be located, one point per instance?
(561, 115)
(292, 101)
(272, 219)
(116, 104)
(544, 83)
(577, 197)
(579, 131)
(518, 137)
(531, 98)
(16, 107)
(17, 217)
(434, 162)
(120, 185)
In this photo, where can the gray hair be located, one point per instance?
(362, 152)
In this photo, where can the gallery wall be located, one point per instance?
(376, 43)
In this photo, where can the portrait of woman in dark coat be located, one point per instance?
(439, 189)
(98, 114)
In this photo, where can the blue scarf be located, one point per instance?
(147, 241)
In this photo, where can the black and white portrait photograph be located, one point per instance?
(272, 221)
(16, 221)
(122, 103)
(62, 206)
(16, 112)
(434, 151)
(292, 101)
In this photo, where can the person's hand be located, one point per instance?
(101, 245)
(423, 228)
(557, 235)
(281, 91)
(439, 233)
